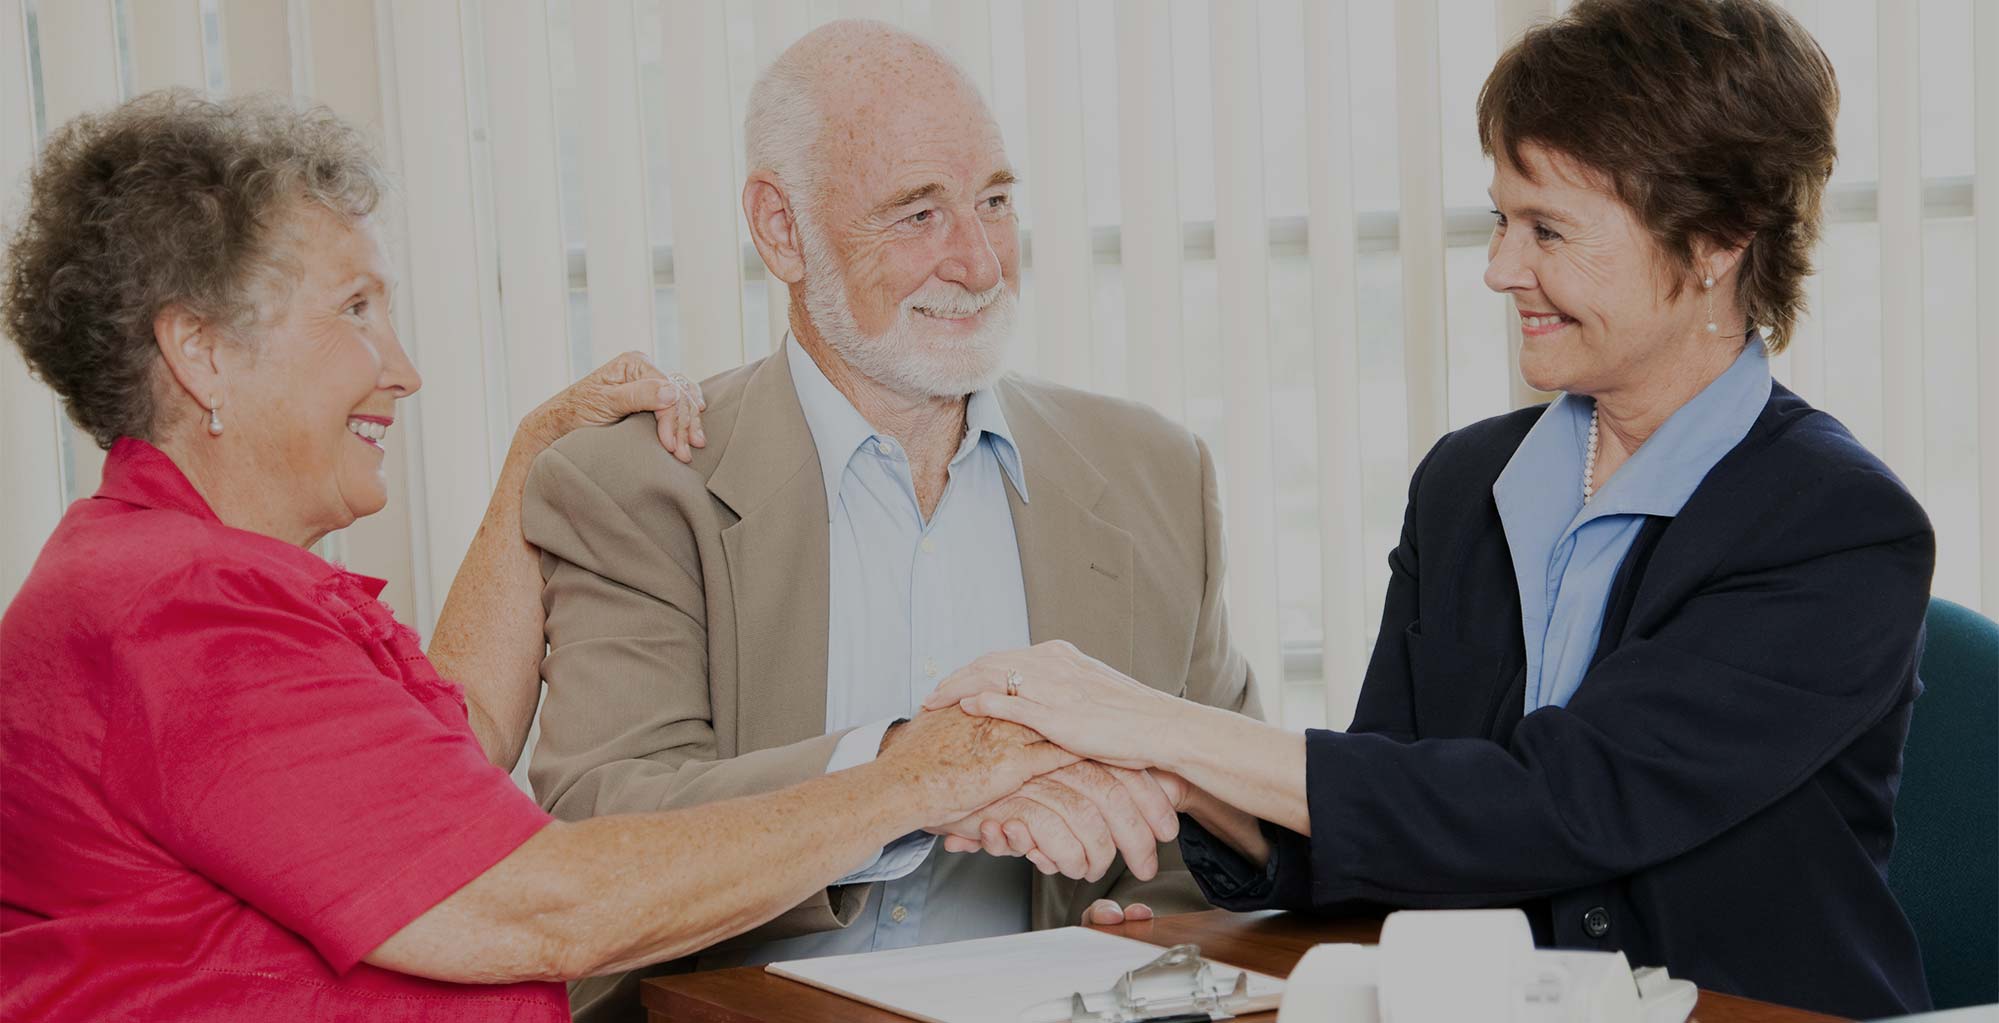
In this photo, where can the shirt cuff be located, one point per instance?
(859, 746)
(1229, 881)
(902, 856)
(897, 859)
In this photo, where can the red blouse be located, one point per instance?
(227, 773)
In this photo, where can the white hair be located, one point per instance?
(784, 119)
(781, 128)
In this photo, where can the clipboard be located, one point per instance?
(1036, 977)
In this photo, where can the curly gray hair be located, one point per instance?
(167, 199)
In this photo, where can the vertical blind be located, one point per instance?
(1265, 218)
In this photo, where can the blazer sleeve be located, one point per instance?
(627, 724)
(1806, 635)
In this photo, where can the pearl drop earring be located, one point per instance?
(215, 420)
(1707, 284)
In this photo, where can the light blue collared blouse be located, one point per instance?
(1565, 553)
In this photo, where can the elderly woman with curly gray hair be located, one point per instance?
(234, 785)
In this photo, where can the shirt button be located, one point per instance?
(929, 546)
(930, 667)
(884, 447)
(899, 914)
(1596, 922)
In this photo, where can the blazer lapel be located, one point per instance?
(1076, 567)
(1711, 523)
(777, 554)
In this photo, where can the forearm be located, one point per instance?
(489, 635)
(615, 893)
(1242, 763)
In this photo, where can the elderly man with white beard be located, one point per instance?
(877, 505)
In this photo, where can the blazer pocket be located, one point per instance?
(1455, 686)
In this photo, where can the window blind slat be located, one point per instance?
(1242, 254)
(1058, 214)
(1899, 118)
(344, 67)
(611, 159)
(1336, 348)
(700, 158)
(32, 501)
(448, 330)
(1985, 216)
(166, 44)
(1149, 197)
(965, 29)
(534, 278)
(1419, 142)
(256, 46)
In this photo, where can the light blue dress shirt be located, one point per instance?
(1565, 553)
(911, 602)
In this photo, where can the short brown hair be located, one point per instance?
(1712, 119)
(169, 198)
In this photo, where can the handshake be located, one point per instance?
(1006, 789)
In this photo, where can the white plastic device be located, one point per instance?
(1435, 965)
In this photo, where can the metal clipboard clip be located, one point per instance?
(1179, 985)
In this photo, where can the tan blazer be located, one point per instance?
(687, 605)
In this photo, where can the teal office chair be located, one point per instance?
(1945, 869)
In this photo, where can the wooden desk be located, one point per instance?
(1266, 942)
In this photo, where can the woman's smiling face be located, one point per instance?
(1592, 288)
(318, 394)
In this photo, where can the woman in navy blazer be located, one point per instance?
(1648, 653)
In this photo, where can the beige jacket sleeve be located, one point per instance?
(627, 723)
(1218, 676)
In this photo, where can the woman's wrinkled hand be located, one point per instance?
(1076, 701)
(626, 385)
(1075, 821)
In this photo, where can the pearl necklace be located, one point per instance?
(1589, 460)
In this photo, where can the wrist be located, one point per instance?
(888, 734)
(886, 786)
(533, 435)
(1185, 735)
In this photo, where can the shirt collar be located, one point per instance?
(1546, 470)
(838, 429)
(142, 475)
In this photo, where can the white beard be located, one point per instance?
(905, 358)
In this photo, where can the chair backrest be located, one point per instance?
(1945, 869)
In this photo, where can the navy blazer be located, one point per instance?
(1719, 795)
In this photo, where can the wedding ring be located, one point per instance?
(1013, 681)
(680, 380)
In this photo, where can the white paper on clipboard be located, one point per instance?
(995, 980)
